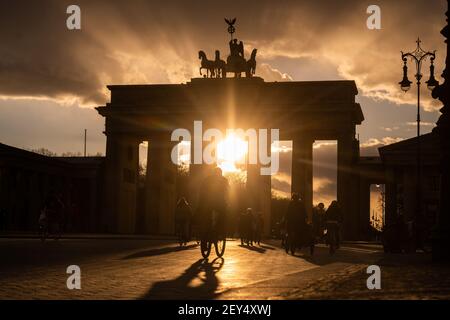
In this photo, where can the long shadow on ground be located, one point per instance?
(202, 271)
(157, 251)
(346, 254)
(253, 248)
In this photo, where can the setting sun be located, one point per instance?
(230, 152)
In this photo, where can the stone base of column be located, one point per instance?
(120, 185)
(259, 195)
(160, 189)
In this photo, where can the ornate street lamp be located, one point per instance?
(405, 84)
(418, 56)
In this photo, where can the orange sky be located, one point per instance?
(51, 78)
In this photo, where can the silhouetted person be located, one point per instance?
(213, 198)
(243, 220)
(183, 218)
(53, 208)
(251, 227)
(334, 213)
(246, 227)
(318, 220)
(259, 227)
(296, 216)
(420, 232)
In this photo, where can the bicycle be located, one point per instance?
(211, 236)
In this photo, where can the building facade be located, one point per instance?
(27, 178)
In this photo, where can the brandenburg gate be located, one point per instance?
(302, 111)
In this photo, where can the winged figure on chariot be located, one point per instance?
(236, 62)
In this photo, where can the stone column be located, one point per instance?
(302, 170)
(160, 188)
(121, 169)
(346, 187)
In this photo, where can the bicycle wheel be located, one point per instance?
(205, 248)
(219, 245)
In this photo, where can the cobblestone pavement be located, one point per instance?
(411, 276)
(152, 269)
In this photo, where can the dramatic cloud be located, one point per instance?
(324, 171)
(268, 73)
(153, 41)
(370, 147)
(48, 72)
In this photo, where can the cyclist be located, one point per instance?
(296, 225)
(213, 199)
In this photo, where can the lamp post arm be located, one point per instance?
(418, 60)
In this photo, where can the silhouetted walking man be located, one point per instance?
(296, 225)
(259, 227)
(334, 214)
(53, 208)
(183, 217)
(245, 226)
(318, 219)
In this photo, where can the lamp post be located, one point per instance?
(418, 56)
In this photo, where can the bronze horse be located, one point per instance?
(251, 64)
(219, 68)
(238, 64)
(206, 64)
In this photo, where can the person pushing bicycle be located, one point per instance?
(213, 200)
